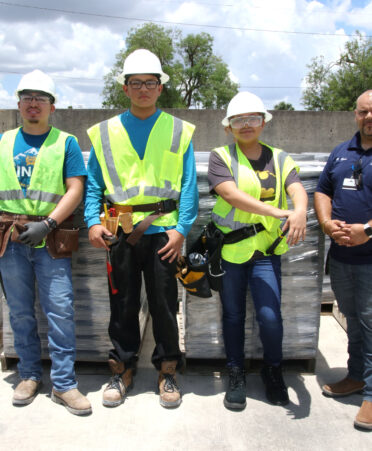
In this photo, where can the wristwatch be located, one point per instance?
(368, 230)
(52, 223)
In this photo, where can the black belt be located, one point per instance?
(241, 234)
(164, 206)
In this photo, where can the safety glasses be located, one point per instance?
(242, 121)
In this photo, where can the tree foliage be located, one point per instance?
(198, 78)
(284, 106)
(336, 86)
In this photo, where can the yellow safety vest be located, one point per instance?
(46, 187)
(228, 218)
(132, 181)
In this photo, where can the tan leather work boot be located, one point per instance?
(120, 383)
(345, 387)
(25, 392)
(73, 400)
(170, 395)
(364, 418)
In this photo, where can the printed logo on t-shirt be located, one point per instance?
(24, 165)
(268, 184)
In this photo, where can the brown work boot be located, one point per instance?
(120, 383)
(345, 387)
(73, 400)
(170, 395)
(25, 392)
(364, 418)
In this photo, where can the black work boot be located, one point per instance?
(276, 390)
(236, 391)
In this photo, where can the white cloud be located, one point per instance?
(6, 100)
(79, 49)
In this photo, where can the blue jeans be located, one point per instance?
(19, 267)
(352, 286)
(263, 276)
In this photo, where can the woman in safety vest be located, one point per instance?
(251, 180)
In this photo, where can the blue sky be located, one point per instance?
(266, 44)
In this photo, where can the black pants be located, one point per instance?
(161, 288)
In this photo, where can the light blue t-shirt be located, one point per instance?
(26, 149)
(139, 131)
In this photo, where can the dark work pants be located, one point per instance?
(263, 277)
(161, 288)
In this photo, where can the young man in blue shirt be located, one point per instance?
(343, 202)
(142, 163)
(42, 176)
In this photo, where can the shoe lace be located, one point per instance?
(170, 384)
(236, 378)
(116, 383)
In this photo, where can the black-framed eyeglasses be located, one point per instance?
(137, 84)
(357, 173)
(27, 99)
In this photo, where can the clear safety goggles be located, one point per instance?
(242, 121)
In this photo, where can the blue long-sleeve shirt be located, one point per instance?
(139, 131)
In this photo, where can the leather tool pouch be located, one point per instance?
(17, 230)
(111, 224)
(126, 221)
(61, 242)
(5, 231)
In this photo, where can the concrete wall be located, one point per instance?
(293, 131)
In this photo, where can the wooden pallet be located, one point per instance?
(217, 367)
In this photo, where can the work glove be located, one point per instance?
(34, 234)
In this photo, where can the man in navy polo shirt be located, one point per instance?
(343, 203)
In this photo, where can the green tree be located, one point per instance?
(198, 78)
(336, 86)
(284, 106)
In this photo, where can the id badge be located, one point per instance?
(349, 183)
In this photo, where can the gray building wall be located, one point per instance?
(293, 131)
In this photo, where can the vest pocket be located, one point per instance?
(62, 242)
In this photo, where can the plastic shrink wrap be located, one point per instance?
(302, 275)
(301, 284)
(91, 302)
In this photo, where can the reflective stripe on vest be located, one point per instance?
(228, 218)
(46, 187)
(158, 176)
(228, 221)
(119, 194)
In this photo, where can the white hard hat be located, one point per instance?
(245, 102)
(37, 81)
(139, 62)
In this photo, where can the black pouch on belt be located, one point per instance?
(203, 263)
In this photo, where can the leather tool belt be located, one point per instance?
(157, 210)
(60, 242)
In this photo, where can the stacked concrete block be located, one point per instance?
(302, 274)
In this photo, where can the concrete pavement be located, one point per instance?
(310, 422)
